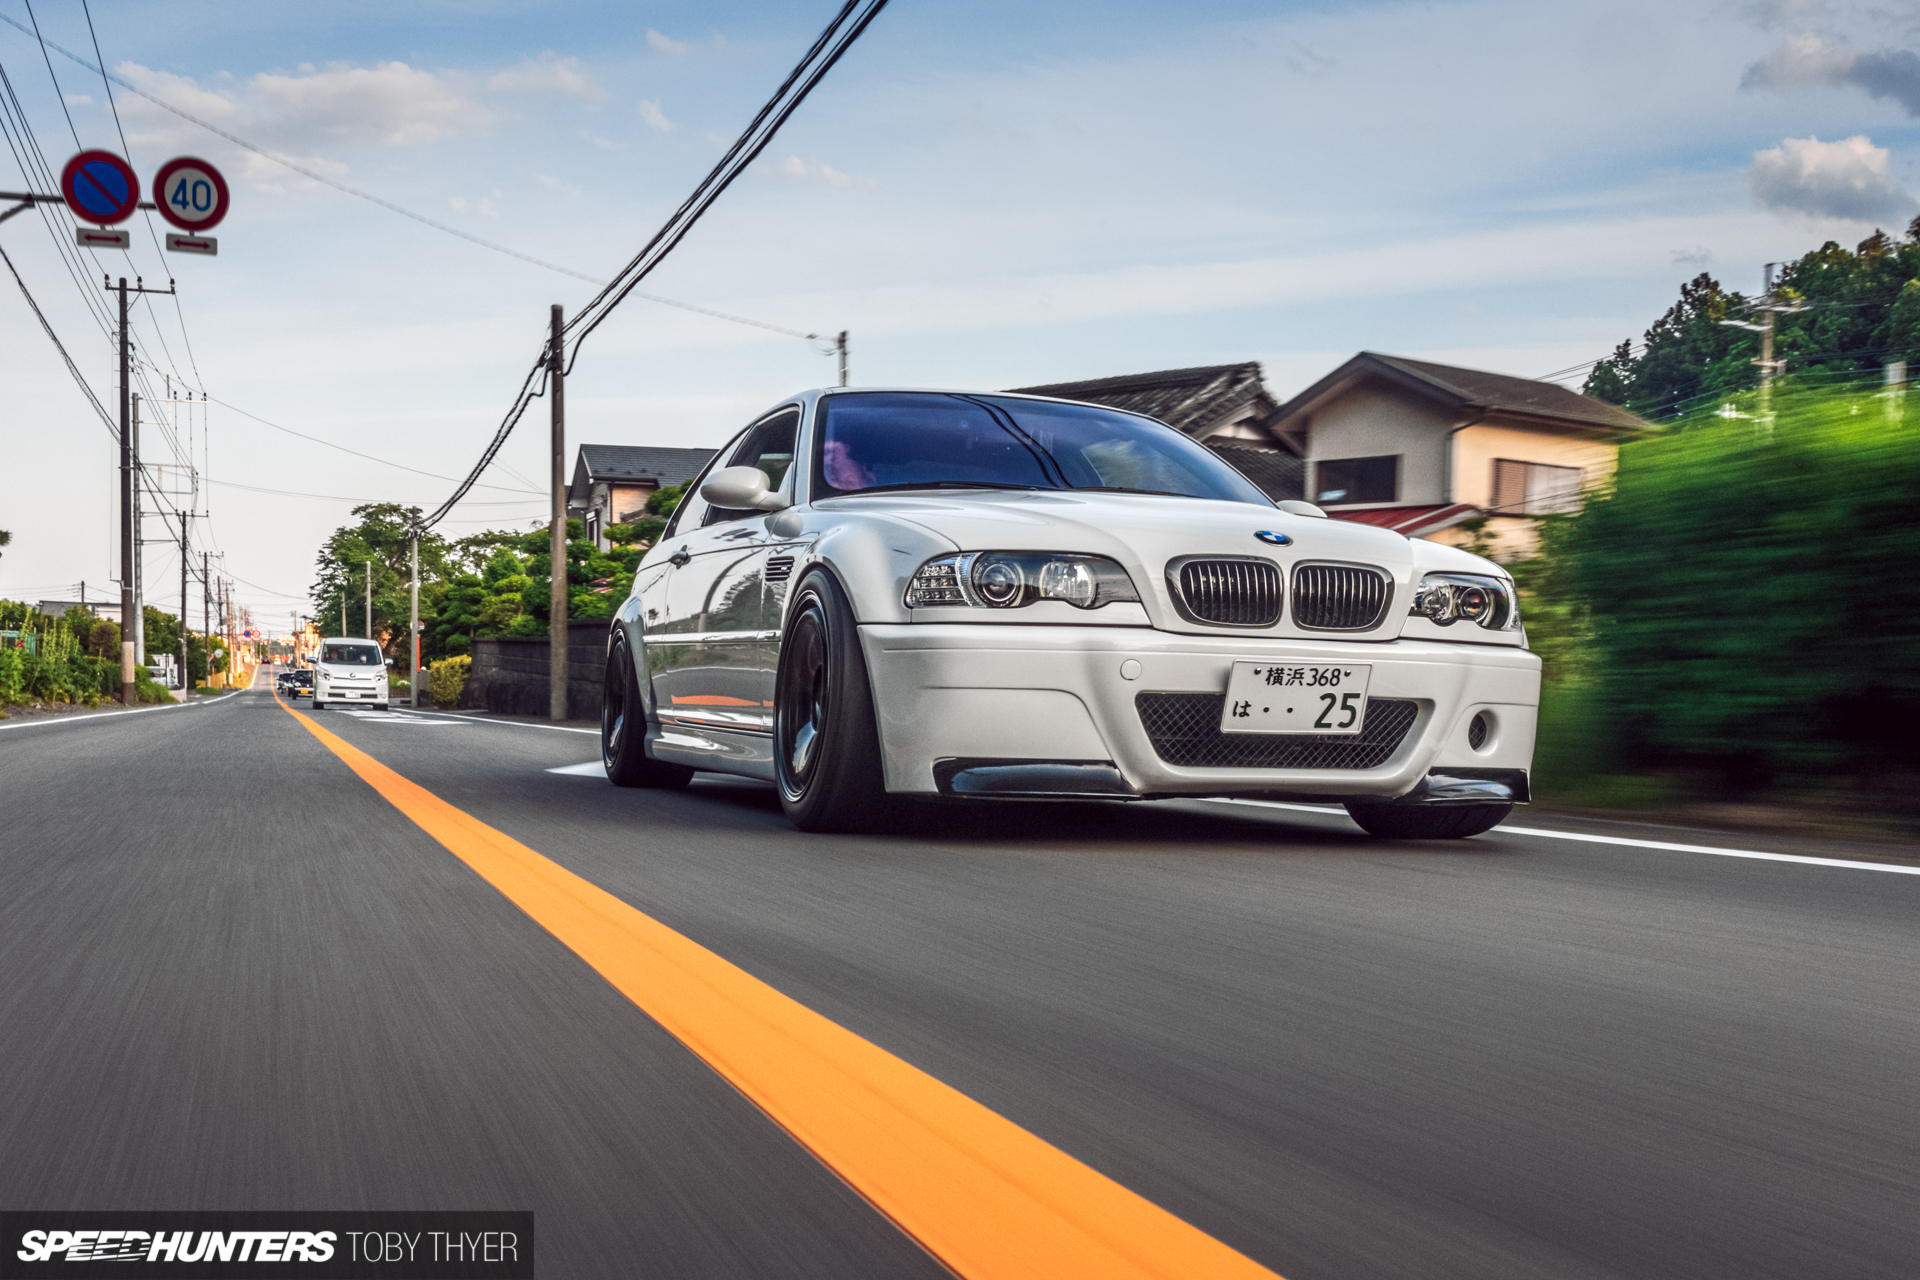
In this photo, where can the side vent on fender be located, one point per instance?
(779, 568)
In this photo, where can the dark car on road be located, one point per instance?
(300, 683)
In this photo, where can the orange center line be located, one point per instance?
(986, 1197)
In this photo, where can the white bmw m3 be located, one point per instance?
(877, 594)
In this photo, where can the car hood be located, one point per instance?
(1144, 532)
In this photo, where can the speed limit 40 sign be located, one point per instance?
(192, 195)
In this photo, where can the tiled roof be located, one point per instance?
(1412, 521)
(642, 462)
(1473, 389)
(1189, 399)
(1278, 475)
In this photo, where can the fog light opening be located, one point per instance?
(1479, 729)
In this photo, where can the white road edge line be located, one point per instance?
(130, 711)
(1805, 859)
(560, 728)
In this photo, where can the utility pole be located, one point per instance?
(840, 345)
(139, 548)
(206, 612)
(186, 680)
(1766, 360)
(369, 600)
(413, 610)
(1768, 306)
(557, 560)
(129, 620)
(126, 511)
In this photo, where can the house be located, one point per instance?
(1421, 448)
(1226, 407)
(612, 482)
(98, 608)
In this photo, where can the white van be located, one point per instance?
(350, 670)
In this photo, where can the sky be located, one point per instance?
(985, 195)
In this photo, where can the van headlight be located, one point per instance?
(1012, 579)
(1446, 598)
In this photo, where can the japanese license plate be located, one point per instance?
(1296, 697)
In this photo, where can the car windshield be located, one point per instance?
(351, 655)
(878, 440)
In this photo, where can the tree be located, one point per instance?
(380, 538)
(1862, 309)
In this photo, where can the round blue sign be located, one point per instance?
(100, 187)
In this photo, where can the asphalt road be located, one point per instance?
(232, 975)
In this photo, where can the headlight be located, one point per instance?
(1010, 579)
(1446, 598)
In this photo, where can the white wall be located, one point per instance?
(1373, 421)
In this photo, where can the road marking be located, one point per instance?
(1808, 859)
(1805, 858)
(591, 769)
(515, 724)
(203, 701)
(984, 1196)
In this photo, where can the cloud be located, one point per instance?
(666, 44)
(486, 205)
(650, 112)
(548, 73)
(1827, 180)
(1810, 60)
(803, 171)
(1698, 256)
(392, 104)
(78, 100)
(1786, 13)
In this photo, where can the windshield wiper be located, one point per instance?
(1121, 488)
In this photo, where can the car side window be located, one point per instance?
(769, 446)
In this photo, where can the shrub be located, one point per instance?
(447, 679)
(1754, 608)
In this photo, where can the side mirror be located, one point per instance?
(741, 489)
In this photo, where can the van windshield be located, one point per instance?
(932, 440)
(351, 655)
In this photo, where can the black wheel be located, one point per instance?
(1427, 822)
(623, 729)
(826, 742)
(319, 705)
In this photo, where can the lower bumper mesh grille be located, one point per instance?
(1185, 730)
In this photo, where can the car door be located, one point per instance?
(722, 617)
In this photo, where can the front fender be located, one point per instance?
(626, 622)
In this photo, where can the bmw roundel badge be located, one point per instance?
(1277, 539)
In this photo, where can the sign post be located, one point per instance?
(100, 188)
(192, 195)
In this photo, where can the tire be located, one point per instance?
(826, 741)
(319, 705)
(623, 729)
(1427, 822)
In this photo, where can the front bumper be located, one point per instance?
(954, 699)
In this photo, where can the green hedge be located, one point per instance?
(1753, 595)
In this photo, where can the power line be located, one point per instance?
(847, 26)
(389, 205)
(77, 144)
(433, 475)
(61, 347)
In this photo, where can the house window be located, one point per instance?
(1340, 481)
(1534, 488)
